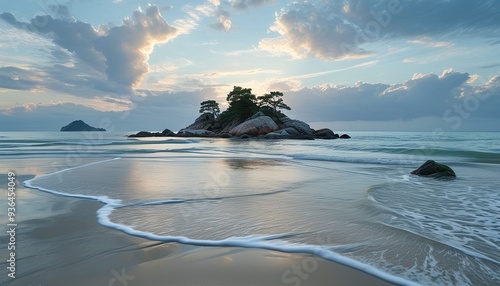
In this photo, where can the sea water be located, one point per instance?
(351, 201)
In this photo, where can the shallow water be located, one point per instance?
(351, 201)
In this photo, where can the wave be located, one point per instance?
(274, 242)
(473, 156)
(443, 213)
(95, 142)
(358, 159)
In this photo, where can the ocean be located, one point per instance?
(350, 201)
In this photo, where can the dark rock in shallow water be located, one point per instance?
(434, 169)
(79, 125)
(195, 133)
(325, 133)
(225, 135)
(168, 132)
(345, 136)
(142, 134)
(165, 133)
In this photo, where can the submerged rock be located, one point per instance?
(434, 169)
(345, 136)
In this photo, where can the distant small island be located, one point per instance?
(247, 116)
(79, 125)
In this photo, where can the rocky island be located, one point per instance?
(248, 116)
(79, 125)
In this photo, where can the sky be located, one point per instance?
(130, 65)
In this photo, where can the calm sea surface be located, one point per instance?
(352, 201)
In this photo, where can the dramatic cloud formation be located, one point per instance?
(54, 68)
(453, 98)
(120, 53)
(150, 113)
(448, 96)
(338, 29)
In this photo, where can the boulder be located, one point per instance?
(434, 169)
(302, 127)
(225, 135)
(345, 136)
(258, 114)
(142, 134)
(292, 131)
(255, 127)
(325, 133)
(167, 132)
(205, 121)
(280, 134)
(288, 133)
(195, 133)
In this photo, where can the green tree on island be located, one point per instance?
(242, 103)
(274, 101)
(210, 106)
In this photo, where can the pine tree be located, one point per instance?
(210, 106)
(273, 100)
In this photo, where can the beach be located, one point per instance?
(194, 211)
(61, 243)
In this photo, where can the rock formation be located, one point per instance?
(434, 169)
(259, 125)
(79, 125)
(164, 133)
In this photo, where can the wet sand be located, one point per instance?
(59, 242)
(73, 249)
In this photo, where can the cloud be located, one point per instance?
(223, 21)
(409, 60)
(246, 4)
(334, 30)
(426, 41)
(119, 53)
(449, 99)
(19, 79)
(425, 95)
(173, 110)
(223, 74)
(323, 73)
(195, 15)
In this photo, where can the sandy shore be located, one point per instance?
(59, 242)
